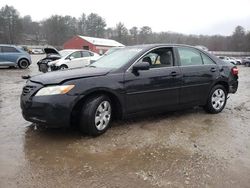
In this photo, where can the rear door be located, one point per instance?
(155, 88)
(199, 73)
(85, 60)
(1, 56)
(9, 55)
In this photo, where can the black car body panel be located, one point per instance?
(61, 76)
(167, 88)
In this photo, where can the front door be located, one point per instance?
(75, 60)
(157, 87)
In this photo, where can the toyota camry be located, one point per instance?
(132, 80)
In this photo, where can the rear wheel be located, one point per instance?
(216, 100)
(96, 115)
(23, 64)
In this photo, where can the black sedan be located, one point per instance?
(129, 81)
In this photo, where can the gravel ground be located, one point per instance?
(180, 149)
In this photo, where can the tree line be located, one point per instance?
(57, 29)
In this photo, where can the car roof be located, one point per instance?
(74, 50)
(8, 45)
(148, 46)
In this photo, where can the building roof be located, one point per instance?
(101, 41)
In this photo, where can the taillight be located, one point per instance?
(235, 71)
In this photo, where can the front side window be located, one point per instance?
(8, 49)
(76, 55)
(162, 57)
(189, 56)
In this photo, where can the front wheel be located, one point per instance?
(96, 115)
(62, 67)
(216, 100)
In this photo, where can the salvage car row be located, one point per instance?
(236, 61)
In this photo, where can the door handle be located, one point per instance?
(173, 73)
(213, 69)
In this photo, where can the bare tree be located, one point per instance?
(10, 25)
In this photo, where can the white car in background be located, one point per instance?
(228, 59)
(73, 58)
(238, 60)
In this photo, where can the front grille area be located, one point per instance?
(54, 68)
(27, 89)
(43, 67)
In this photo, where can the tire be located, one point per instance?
(96, 115)
(217, 99)
(62, 67)
(23, 63)
(247, 64)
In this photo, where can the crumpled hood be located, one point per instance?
(60, 76)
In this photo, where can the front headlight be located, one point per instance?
(50, 63)
(54, 90)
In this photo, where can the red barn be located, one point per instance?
(98, 45)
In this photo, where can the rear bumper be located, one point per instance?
(51, 111)
(233, 87)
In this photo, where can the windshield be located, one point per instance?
(65, 53)
(111, 50)
(117, 59)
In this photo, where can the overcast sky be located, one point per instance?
(183, 16)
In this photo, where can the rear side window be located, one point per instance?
(85, 54)
(189, 57)
(8, 49)
(207, 60)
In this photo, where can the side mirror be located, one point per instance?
(70, 58)
(141, 66)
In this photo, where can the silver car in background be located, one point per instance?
(13, 56)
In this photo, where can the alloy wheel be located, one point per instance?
(218, 99)
(102, 115)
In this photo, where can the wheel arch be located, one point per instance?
(21, 58)
(223, 83)
(115, 100)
